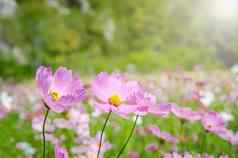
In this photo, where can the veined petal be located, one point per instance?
(43, 79)
(99, 86)
(62, 78)
(54, 106)
(160, 110)
(75, 89)
(126, 109)
(104, 106)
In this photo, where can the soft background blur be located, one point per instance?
(183, 48)
(94, 35)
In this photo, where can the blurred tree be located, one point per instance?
(56, 31)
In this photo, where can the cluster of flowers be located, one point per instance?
(114, 93)
(211, 121)
(177, 155)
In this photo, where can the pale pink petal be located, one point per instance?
(62, 78)
(43, 79)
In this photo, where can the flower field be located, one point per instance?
(176, 114)
(118, 79)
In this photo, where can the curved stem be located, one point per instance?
(103, 128)
(128, 139)
(43, 131)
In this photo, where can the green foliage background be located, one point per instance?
(92, 35)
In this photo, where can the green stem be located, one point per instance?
(43, 131)
(204, 143)
(182, 128)
(103, 128)
(128, 139)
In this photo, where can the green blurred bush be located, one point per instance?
(92, 35)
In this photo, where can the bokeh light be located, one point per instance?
(224, 9)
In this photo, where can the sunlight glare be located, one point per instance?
(225, 9)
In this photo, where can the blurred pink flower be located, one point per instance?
(186, 113)
(37, 122)
(186, 155)
(213, 122)
(63, 123)
(61, 90)
(90, 147)
(50, 137)
(142, 100)
(112, 93)
(234, 139)
(60, 152)
(224, 156)
(152, 147)
(3, 112)
(133, 155)
(162, 109)
(162, 135)
(224, 134)
(94, 143)
(172, 155)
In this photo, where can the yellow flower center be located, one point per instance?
(55, 95)
(114, 100)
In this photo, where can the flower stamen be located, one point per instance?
(114, 100)
(55, 95)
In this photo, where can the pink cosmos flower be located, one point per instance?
(162, 135)
(152, 147)
(212, 122)
(61, 90)
(142, 100)
(234, 139)
(133, 155)
(94, 143)
(60, 152)
(162, 109)
(172, 155)
(112, 93)
(37, 121)
(186, 155)
(186, 113)
(90, 147)
(225, 134)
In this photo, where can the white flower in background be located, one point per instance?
(234, 69)
(226, 116)
(96, 113)
(26, 148)
(6, 100)
(7, 7)
(37, 123)
(207, 98)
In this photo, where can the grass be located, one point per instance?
(15, 130)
